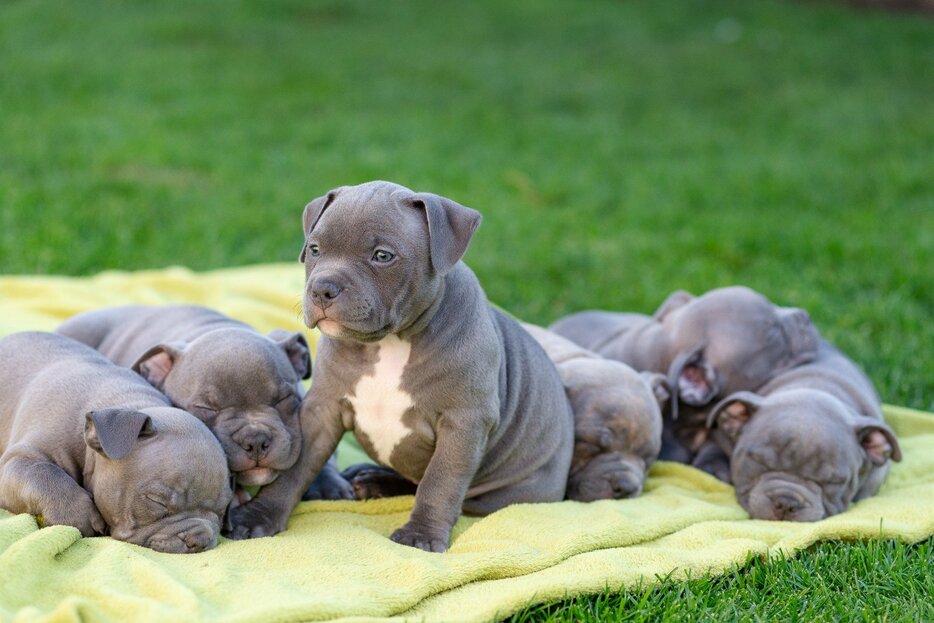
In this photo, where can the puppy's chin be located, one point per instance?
(330, 328)
(256, 477)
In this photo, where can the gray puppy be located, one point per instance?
(435, 383)
(88, 444)
(808, 443)
(617, 420)
(245, 386)
(729, 339)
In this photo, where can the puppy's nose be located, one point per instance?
(624, 487)
(785, 504)
(324, 291)
(197, 541)
(256, 443)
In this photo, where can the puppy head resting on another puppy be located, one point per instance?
(366, 283)
(800, 454)
(731, 339)
(617, 430)
(245, 387)
(168, 506)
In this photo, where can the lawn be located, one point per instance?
(618, 150)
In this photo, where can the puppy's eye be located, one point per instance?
(382, 256)
(313, 250)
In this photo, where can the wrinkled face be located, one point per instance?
(733, 339)
(797, 462)
(367, 265)
(243, 387)
(617, 437)
(170, 492)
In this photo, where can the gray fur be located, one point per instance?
(246, 387)
(617, 420)
(485, 419)
(88, 444)
(727, 340)
(808, 443)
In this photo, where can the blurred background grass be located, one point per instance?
(618, 149)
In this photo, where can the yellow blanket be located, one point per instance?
(335, 562)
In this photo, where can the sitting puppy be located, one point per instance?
(808, 443)
(617, 427)
(617, 421)
(435, 383)
(245, 386)
(729, 339)
(151, 474)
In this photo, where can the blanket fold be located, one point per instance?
(335, 562)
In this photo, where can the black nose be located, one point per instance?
(785, 504)
(256, 443)
(624, 487)
(324, 291)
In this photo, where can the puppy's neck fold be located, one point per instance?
(425, 316)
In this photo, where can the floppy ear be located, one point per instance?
(878, 441)
(677, 366)
(156, 363)
(296, 348)
(733, 412)
(800, 333)
(450, 228)
(659, 385)
(678, 298)
(114, 432)
(313, 212)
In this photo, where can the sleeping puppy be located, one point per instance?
(89, 444)
(448, 391)
(245, 386)
(727, 340)
(808, 443)
(617, 420)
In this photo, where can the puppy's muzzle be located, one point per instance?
(324, 292)
(255, 442)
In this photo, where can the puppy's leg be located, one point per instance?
(34, 485)
(375, 481)
(713, 460)
(459, 446)
(330, 484)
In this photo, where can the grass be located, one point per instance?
(618, 151)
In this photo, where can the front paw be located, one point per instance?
(329, 486)
(253, 520)
(80, 513)
(421, 538)
(375, 481)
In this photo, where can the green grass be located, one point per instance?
(618, 151)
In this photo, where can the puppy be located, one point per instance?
(807, 444)
(617, 420)
(727, 340)
(246, 387)
(88, 444)
(435, 383)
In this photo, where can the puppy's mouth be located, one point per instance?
(256, 476)
(342, 331)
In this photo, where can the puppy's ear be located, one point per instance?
(450, 228)
(114, 432)
(732, 413)
(659, 385)
(156, 363)
(800, 333)
(313, 212)
(296, 348)
(678, 298)
(878, 441)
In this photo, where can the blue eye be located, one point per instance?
(313, 250)
(382, 256)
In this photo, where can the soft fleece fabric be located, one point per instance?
(334, 563)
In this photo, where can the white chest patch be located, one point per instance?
(378, 400)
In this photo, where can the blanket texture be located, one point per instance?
(335, 562)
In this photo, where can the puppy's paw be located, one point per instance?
(329, 486)
(421, 538)
(253, 520)
(375, 481)
(80, 513)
